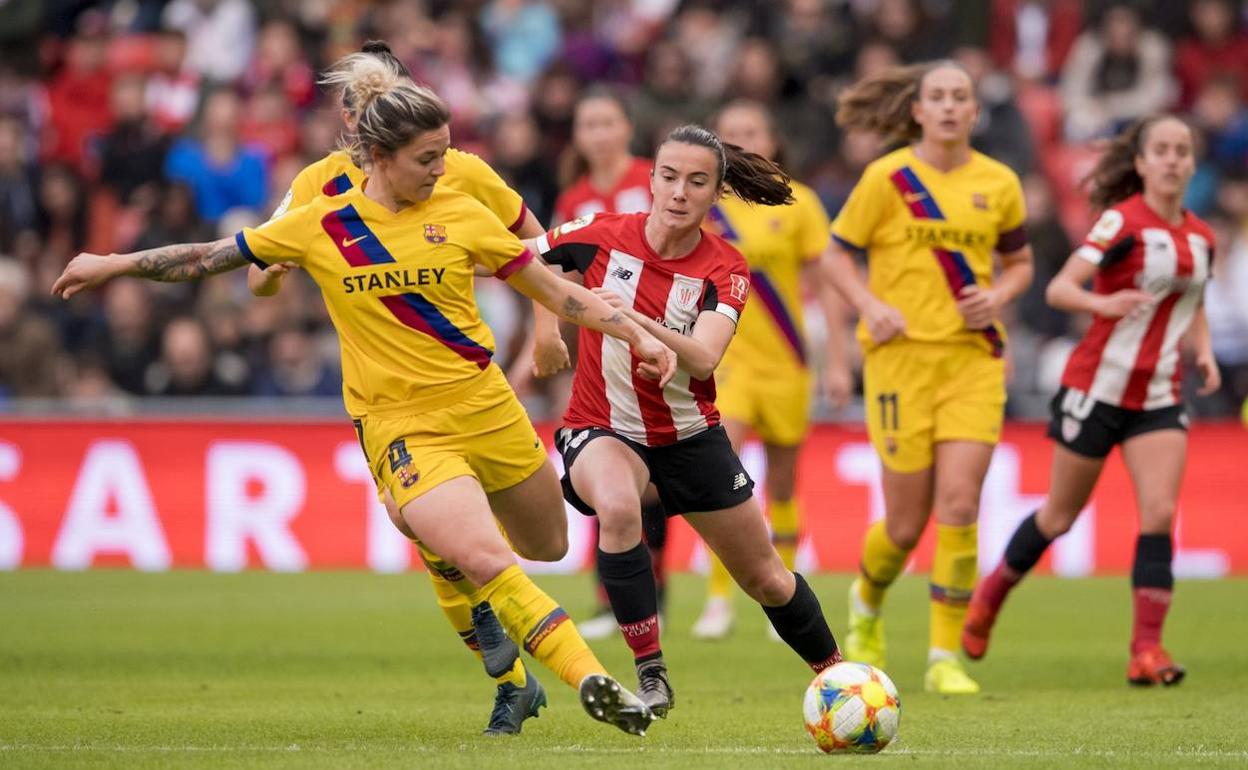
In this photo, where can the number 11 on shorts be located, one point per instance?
(888, 410)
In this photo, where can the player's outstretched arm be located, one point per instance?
(698, 352)
(576, 304)
(1066, 292)
(883, 321)
(178, 262)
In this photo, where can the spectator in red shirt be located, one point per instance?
(1219, 46)
(78, 99)
(279, 63)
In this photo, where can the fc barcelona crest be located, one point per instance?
(435, 233)
(979, 201)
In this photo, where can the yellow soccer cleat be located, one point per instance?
(947, 677)
(865, 641)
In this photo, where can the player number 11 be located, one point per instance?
(888, 402)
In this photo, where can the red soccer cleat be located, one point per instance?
(1153, 665)
(980, 616)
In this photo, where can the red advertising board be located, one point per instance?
(229, 495)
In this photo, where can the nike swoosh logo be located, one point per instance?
(346, 244)
(915, 197)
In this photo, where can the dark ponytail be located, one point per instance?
(748, 175)
(1114, 178)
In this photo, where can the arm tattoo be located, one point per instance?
(573, 308)
(615, 318)
(189, 261)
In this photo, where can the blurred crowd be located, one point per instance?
(135, 123)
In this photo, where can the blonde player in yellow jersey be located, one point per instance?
(337, 174)
(443, 432)
(929, 217)
(763, 382)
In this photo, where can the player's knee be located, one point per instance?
(780, 487)
(1156, 516)
(959, 510)
(771, 587)
(619, 519)
(552, 547)
(905, 534)
(483, 565)
(1053, 523)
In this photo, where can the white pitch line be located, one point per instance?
(1193, 753)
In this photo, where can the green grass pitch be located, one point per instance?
(353, 670)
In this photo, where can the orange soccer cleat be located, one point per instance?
(1153, 665)
(980, 617)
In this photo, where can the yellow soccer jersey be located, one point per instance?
(398, 287)
(335, 174)
(776, 241)
(928, 234)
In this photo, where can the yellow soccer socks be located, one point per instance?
(452, 590)
(529, 614)
(882, 561)
(784, 529)
(952, 581)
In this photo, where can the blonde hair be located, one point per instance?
(390, 109)
(881, 104)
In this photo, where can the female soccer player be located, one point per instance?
(1148, 259)
(599, 174)
(442, 430)
(622, 433)
(928, 217)
(763, 382)
(335, 174)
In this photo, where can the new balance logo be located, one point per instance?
(739, 481)
(349, 242)
(622, 273)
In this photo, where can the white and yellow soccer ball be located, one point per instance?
(852, 707)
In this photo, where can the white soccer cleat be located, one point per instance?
(716, 620)
(599, 627)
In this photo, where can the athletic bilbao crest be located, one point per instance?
(687, 292)
(740, 287)
(435, 233)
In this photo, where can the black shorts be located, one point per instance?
(695, 475)
(1092, 428)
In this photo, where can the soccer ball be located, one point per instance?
(852, 707)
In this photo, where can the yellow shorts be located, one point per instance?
(775, 403)
(487, 436)
(918, 394)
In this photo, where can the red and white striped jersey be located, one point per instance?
(1133, 362)
(630, 194)
(611, 251)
